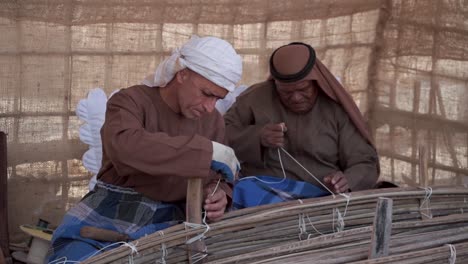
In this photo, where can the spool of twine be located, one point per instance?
(38, 251)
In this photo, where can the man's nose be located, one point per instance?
(296, 97)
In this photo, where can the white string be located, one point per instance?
(428, 191)
(453, 254)
(196, 226)
(340, 217)
(163, 254)
(316, 230)
(216, 187)
(132, 246)
(198, 257)
(310, 173)
(426, 200)
(348, 198)
(340, 220)
(63, 260)
(302, 226)
(269, 182)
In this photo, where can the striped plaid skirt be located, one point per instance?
(113, 208)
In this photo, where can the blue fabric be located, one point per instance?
(249, 191)
(126, 212)
(223, 169)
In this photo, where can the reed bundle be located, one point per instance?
(310, 231)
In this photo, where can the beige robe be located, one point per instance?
(324, 140)
(152, 149)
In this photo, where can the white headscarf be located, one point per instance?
(211, 57)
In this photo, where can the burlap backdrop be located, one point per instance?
(405, 62)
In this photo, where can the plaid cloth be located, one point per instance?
(113, 208)
(250, 191)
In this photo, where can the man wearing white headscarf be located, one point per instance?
(155, 137)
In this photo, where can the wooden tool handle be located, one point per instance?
(194, 213)
(194, 200)
(102, 234)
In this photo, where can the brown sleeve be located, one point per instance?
(358, 158)
(227, 188)
(132, 149)
(243, 134)
(221, 138)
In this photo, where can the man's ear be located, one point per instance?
(182, 75)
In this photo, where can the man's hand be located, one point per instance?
(272, 135)
(215, 204)
(336, 182)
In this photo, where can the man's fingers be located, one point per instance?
(214, 216)
(219, 206)
(275, 127)
(215, 209)
(277, 141)
(345, 188)
(341, 184)
(271, 135)
(274, 142)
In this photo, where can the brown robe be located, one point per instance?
(324, 140)
(152, 149)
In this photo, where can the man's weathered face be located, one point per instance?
(199, 96)
(297, 96)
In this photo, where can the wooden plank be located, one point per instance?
(4, 236)
(194, 213)
(382, 228)
(21, 153)
(430, 122)
(433, 164)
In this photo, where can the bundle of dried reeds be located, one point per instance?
(321, 230)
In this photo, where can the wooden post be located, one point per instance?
(4, 236)
(423, 159)
(194, 212)
(382, 229)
